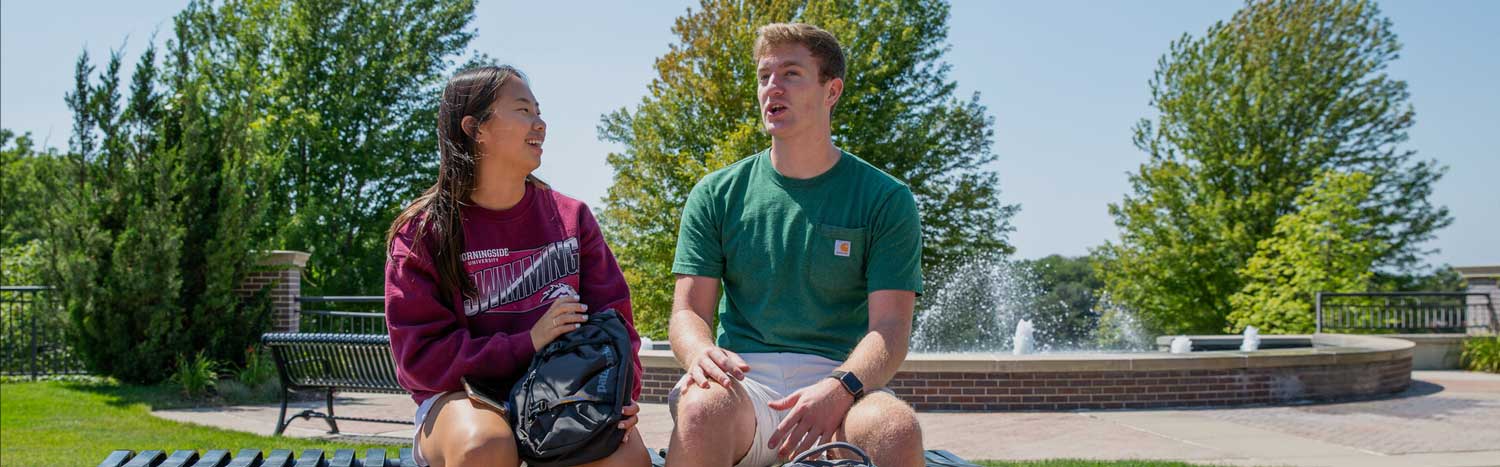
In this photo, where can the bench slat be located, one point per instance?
(406, 459)
(246, 458)
(375, 458)
(278, 458)
(181, 459)
(117, 458)
(942, 458)
(342, 458)
(147, 459)
(214, 458)
(310, 458)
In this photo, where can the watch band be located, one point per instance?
(850, 382)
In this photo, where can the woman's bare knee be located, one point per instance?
(631, 453)
(460, 432)
(481, 447)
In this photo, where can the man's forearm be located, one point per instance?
(689, 335)
(879, 354)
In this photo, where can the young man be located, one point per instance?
(819, 254)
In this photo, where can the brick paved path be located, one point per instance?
(1447, 418)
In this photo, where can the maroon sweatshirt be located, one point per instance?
(520, 260)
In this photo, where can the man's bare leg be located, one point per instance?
(715, 426)
(886, 429)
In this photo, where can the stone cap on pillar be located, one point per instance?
(1478, 272)
(296, 259)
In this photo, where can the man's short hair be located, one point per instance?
(822, 44)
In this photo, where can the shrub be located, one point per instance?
(1482, 354)
(258, 368)
(196, 376)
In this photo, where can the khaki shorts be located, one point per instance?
(772, 376)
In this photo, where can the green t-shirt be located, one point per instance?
(798, 258)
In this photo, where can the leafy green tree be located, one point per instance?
(23, 202)
(1249, 115)
(1327, 246)
(356, 86)
(898, 111)
(22, 197)
(1438, 279)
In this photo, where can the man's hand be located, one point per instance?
(716, 364)
(816, 413)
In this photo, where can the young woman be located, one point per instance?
(487, 267)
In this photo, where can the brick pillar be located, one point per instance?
(282, 272)
(1485, 280)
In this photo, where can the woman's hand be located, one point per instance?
(565, 315)
(630, 420)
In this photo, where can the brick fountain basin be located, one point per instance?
(1329, 367)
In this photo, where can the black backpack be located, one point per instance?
(567, 408)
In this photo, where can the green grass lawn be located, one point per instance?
(55, 423)
(79, 423)
(1084, 463)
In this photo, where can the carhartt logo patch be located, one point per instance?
(841, 248)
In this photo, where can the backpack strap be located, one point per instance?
(816, 450)
(568, 400)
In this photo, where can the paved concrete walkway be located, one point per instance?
(1447, 418)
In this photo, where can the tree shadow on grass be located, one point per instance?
(166, 396)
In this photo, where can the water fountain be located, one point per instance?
(984, 341)
(1024, 342)
(1181, 344)
(1251, 340)
(979, 306)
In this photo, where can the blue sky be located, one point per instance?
(1065, 80)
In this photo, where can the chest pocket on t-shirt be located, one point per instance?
(836, 259)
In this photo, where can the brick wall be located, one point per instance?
(1013, 391)
(1147, 389)
(282, 272)
(656, 382)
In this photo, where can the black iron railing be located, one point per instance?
(343, 314)
(33, 334)
(1417, 312)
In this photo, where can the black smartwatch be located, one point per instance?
(850, 382)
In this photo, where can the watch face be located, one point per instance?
(850, 382)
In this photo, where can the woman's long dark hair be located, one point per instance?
(470, 93)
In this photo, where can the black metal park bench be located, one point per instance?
(347, 458)
(332, 362)
(256, 458)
